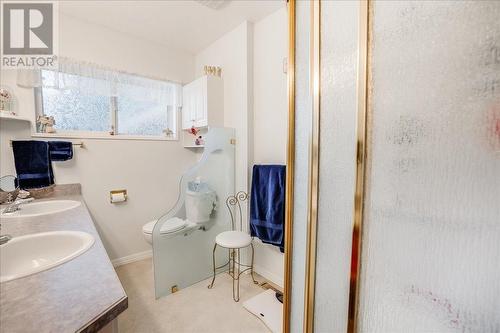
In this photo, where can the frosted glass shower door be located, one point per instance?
(431, 240)
(339, 21)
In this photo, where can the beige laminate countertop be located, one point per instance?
(81, 295)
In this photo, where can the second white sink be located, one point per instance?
(39, 208)
(33, 253)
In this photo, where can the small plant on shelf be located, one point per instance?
(193, 130)
(198, 138)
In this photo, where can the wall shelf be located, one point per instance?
(7, 116)
(195, 146)
(189, 140)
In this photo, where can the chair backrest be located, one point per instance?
(233, 203)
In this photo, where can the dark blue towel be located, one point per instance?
(267, 204)
(60, 150)
(32, 160)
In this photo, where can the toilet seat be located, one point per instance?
(171, 225)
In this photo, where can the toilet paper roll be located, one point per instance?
(118, 197)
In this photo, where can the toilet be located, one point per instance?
(200, 202)
(171, 226)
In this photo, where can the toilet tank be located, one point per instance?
(200, 202)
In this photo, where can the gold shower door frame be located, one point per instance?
(290, 160)
(363, 151)
(361, 158)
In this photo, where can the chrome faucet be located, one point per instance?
(4, 238)
(14, 207)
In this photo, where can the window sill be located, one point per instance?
(102, 137)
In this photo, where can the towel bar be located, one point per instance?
(74, 144)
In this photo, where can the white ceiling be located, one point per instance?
(184, 25)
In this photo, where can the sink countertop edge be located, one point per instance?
(73, 297)
(106, 317)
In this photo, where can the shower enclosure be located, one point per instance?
(428, 76)
(431, 250)
(185, 257)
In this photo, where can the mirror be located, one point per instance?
(8, 183)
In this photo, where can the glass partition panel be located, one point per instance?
(303, 112)
(431, 249)
(337, 166)
(184, 237)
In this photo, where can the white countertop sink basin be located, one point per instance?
(34, 253)
(39, 208)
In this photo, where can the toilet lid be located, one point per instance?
(171, 225)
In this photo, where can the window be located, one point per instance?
(71, 110)
(140, 116)
(104, 103)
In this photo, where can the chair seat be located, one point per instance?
(233, 239)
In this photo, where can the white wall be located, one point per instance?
(90, 42)
(270, 117)
(255, 104)
(233, 52)
(149, 170)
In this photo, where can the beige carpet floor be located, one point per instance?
(195, 309)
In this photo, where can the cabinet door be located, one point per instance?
(188, 106)
(194, 110)
(198, 101)
(201, 105)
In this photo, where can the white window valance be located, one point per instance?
(74, 75)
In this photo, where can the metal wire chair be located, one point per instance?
(233, 204)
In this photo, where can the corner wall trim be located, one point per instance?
(132, 258)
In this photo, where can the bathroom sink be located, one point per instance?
(42, 208)
(33, 253)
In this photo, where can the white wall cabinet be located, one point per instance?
(203, 103)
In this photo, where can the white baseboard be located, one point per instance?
(132, 258)
(274, 278)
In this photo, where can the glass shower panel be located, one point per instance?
(303, 114)
(337, 167)
(184, 257)
(431, 250)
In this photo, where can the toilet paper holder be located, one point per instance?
(116, 196)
